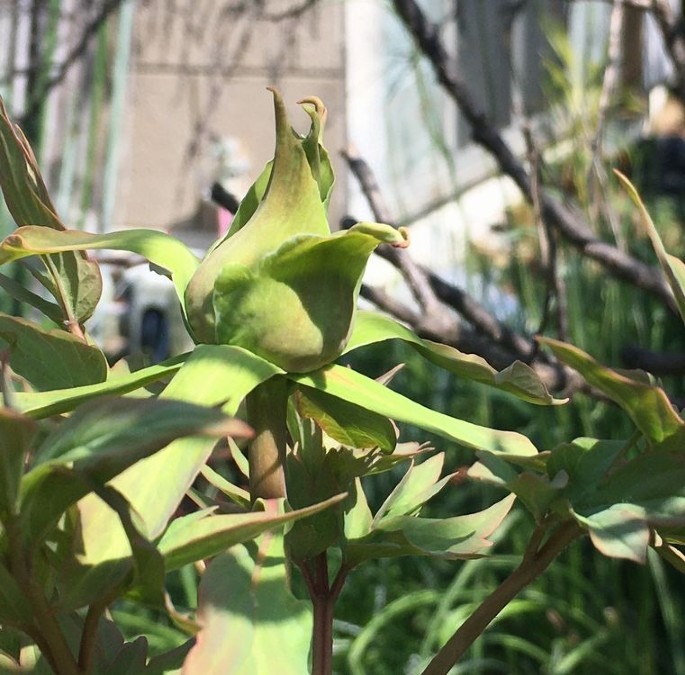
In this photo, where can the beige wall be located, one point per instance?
(199, 70)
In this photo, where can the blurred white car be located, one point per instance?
(139, 313)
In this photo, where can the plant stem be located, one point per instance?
(323, 596)
(266, 414)
(322, 636)
(52, 643)
(534, 563)
(88, 644)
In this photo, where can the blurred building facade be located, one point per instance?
(197, 109)
(138, 106)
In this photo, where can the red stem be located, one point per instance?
(534, 563)
(323, 596)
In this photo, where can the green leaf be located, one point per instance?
(50, 359)
(319, 468)
(233, 492)
(201, 536)
(157, 247)
(358, 517)
(647, 405)
(75, 281)
(585, 461)
(251, 623)
(363, 391)
(538, 492)
(22, 185)
(17, 433)
(518, 379)
(621, 506)
(147, 582)
(212, 375)
(39, 405)
(619, 531)
(131, 658)
(673, 268)
(169, 662)
(418, 485)
(347, 423)
(98, 442)
(457, 538)
(22, 294)
(99, 438)
(492, 469)
(654, 480)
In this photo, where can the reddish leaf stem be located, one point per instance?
(323, 596)
(323, 603)
(534, 563)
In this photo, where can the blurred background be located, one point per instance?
(489, 128)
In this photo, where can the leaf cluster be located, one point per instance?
(93, 467)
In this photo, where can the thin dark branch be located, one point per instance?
(612, 72)
(569, 222)
(657, 363)
(429, 286)
(75, 54)
(489, 338)
(556, 288)
(291, 13)
(671, 28)
(637, 4)
(416, 280)
(388, 303)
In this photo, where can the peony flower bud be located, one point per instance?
(280, 284)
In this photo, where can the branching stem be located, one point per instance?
(51, 640)
(534, 563)
(323, 596)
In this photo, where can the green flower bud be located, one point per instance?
(280, 284)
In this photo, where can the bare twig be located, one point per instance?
(44, 87)
(609, 86)
(567, 221)
(556, 287)
(671, 28)
(419, 285)
(637, 4)
(489, 338)
(611, 72)
(657, 363)
(389, 304)
(427, 286)
(293, 12)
